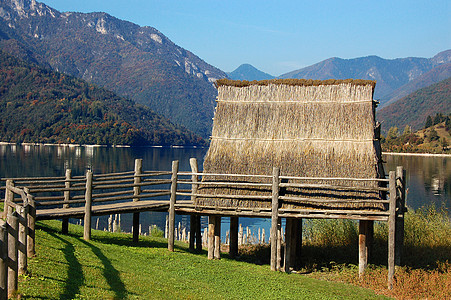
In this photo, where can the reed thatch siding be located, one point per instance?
(306, 128)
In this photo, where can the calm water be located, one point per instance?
(428, 178)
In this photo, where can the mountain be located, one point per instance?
(39, 105)
(435, 75)
(136, 62)
(390, 74)
(248, 72)
(413, 109)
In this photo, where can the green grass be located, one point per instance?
(110, 267)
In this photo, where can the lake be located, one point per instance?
(428, 177)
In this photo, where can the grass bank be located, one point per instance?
(109, 267)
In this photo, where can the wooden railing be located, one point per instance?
(96, 194)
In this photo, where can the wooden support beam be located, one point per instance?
(13, 228)
(22, 239)
(298, 234)
(279, 245)
(217, 250)
(290, 245)
(233, 245)
(274, 217)
(198, 234)
(3, 260)
(401, 205)
(137, 192)
(192, 232)
(211, 236)
(171, 231)
(88, 207)
(364, 244)
(391, 229)
(31, 251)
(65, 220)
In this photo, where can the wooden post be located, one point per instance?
(88, 207)
(391, 229)
(22, 239)
(364, 243)
(192, 231)
(65, 221)
(31, 226)
(194, 220)
(9, 197)
(3, 260)
(136, 192)
(401, 204)
(217, 250)
(297, 261)
(233, 245)
(13, 226)
(289, 245)
(198, 234)
(279, 246)
(175, 169)
(211, 236)
(274, 217)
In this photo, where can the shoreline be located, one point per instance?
(417, 154)
(97, 146)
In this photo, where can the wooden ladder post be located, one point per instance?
(194, 219)
(3, 260)
(233, 245)
(391, 229)
(137, 192)
(65, 221)
(400, 209)
(88, 207)
(22, 239)
(274, 217)
(12, 227)
(31, 226)
(175, 170)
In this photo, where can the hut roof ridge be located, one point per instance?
(294, 82)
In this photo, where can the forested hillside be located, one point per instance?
(413, 109)
(38, 105)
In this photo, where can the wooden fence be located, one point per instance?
(136, 191)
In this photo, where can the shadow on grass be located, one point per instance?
(75, 277)
(111, 275)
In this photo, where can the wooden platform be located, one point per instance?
(103, 209)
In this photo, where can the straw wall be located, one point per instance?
(305, 130)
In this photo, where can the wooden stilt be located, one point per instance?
(233, 245)
(298, 261)
(171, 221)
(401, 204)
(363, 245)
(192, 231)
(65, 221)
(211, 236)
(88, 207)
(198, 234)
(217, 250)
(279, 245)
(274, 218)
(289, 245)
(391, 229)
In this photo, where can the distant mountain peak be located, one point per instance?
(248, 72)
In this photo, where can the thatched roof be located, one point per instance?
(307, 128)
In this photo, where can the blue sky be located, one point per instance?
(281, 36)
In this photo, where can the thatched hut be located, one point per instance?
(307, 128)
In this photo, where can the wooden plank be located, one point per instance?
(326, 200)
(274, 218)
(391, 229)
(334, 178)
(175, 168)
(335, 187)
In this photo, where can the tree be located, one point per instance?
(428, 122)
(393, 133)
(433, 136)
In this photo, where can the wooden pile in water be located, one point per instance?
(305, 128)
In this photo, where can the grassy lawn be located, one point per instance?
(110, 267)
